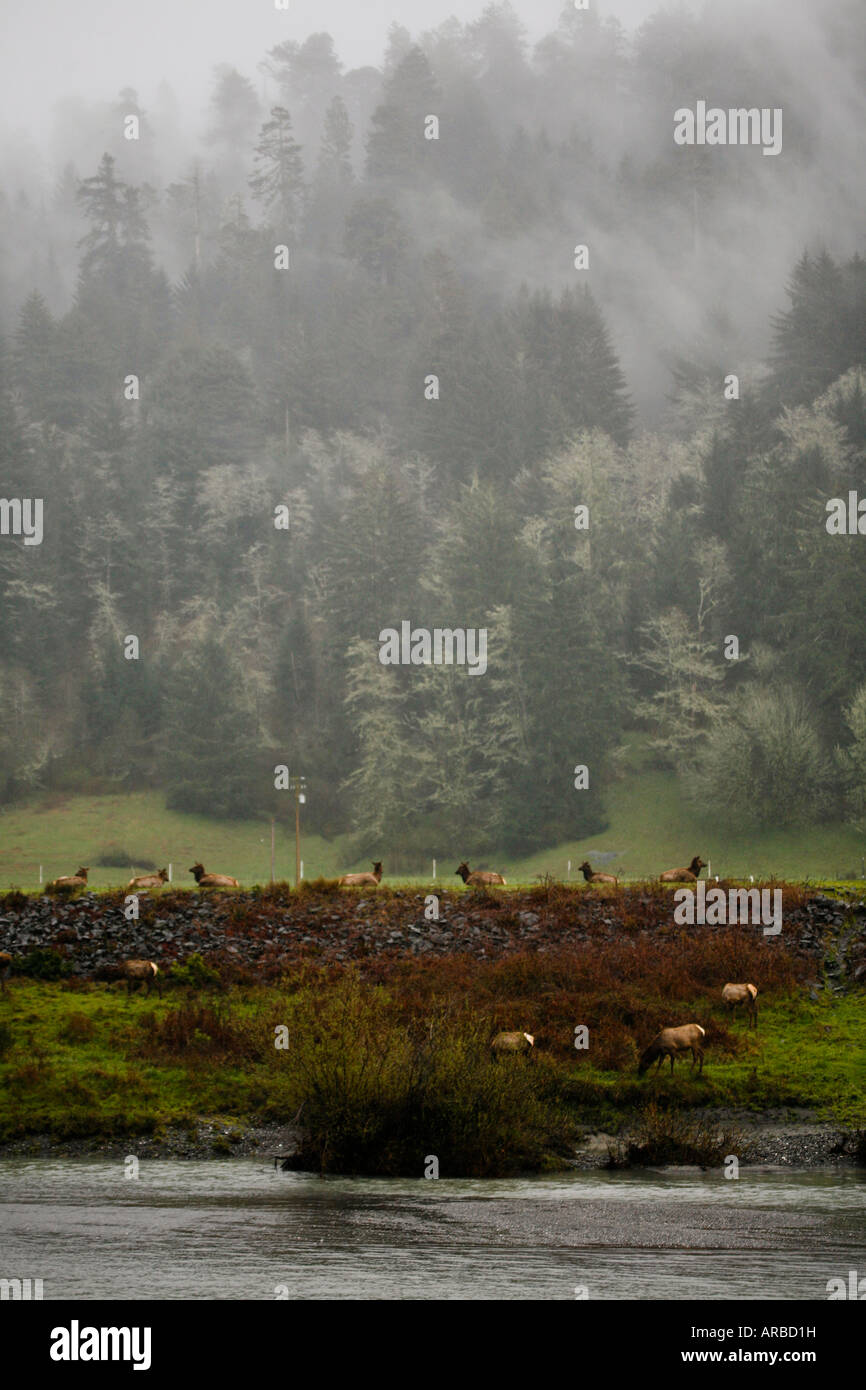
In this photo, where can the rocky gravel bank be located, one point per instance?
(261, 934)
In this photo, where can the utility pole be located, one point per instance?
(299, 786)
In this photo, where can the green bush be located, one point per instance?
(379, 1096)
(195, 972)
(43, 964)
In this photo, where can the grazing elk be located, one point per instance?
(689, 875)
(511, 1042)
(363, 880)
(76, 880)
(149, 880)
(477, 878)
(592, 877)
(205, 880)
(147, 971)
(670, 1042)
(743, 994)
(5, 967)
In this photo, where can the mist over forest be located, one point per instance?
(284, 278)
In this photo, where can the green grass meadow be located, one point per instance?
(650, 829)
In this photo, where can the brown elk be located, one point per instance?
(363, 880)
(689, 875)
(76, 880)
(511, 1042)
(5, 967)
(670, 1042)
(477, 878)
(205, 880)
(592, 877)
(135, 971)
(149, 880)
(743, 994)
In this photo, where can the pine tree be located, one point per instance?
(278, 183)
(396, 147)
(215, 761)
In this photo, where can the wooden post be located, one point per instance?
(297, 837)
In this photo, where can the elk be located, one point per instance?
(5, 967)
(511, 1042)
(477, 877)
(363, 880)
(670, 1042)
(592, 877)
(76, 880)
(743, 994)
(205, 880)
(149, 880)
(146, 970)
(689, 875)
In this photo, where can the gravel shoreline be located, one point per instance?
(771, 1143)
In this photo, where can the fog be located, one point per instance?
(94, 48)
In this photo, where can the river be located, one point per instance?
(235, 1228)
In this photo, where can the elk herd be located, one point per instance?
(669, 1043)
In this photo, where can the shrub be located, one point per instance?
(205, 1031)
(380, 1095)
(42, 964)
(195, 972)
(669, 1135)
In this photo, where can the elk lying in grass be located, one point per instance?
(689, 875)
(670, 1042)
(743, 994)
(149, 880)
(591, 876)
(511, 1042)
(76, 880)
(147, 971)
(479, 877)
(5, 967)
(363, 880)
(205, 880)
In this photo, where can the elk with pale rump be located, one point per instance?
(743, 994)
(592, 876)
(689, 875)
(366, 880)
(205, 880)
(76, 880)
(670, 1042)
(478, 877)
(146, 971)
(149, 880)
(505, 1043)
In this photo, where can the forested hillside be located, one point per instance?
(326, 311)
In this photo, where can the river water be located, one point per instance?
(235, 1228)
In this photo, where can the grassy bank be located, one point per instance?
(388, 1073)
(650, 828)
